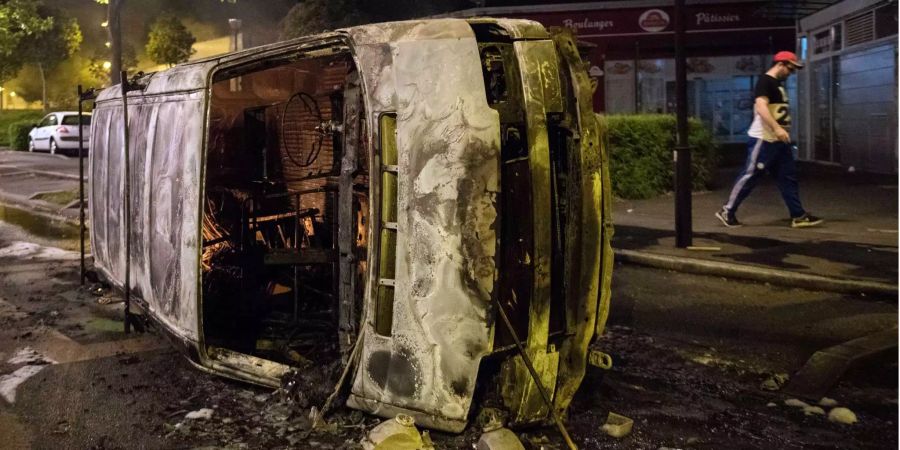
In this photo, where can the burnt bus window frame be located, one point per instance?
(387, 222)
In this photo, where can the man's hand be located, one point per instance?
(782, 135)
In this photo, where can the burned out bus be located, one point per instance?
(380, 196)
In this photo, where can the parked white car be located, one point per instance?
(58, 132)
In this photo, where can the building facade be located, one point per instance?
(848, 93)
(630, 46)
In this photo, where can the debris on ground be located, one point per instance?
(842, 415)
(399, 433)
(813, 410)
(617, 426)
(775, 382)
(797, 403)
(499, 439)
(202, 413)
(495, 435)
(828, 402)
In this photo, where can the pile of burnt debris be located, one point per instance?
(239, 416)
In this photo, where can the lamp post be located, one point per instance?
(113, 25)
(683, 225)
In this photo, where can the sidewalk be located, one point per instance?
(855, 250)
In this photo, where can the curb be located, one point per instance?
(36, 208)
(55, 174)
(753, 273)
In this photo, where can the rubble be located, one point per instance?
(797, 403)
(842, 415)
(617, 426)
(202, 413)
(828, 402)
(399, 433)
(499, 439)
(813, 410)
(775, 382)
(496, 436)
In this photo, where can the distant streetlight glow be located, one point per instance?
(106, 65)
(12, 93)
(104, 24)
(108, 45)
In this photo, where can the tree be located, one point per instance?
(114, 26)
(169, 41)
(316, 16)
(19, 21)
(52, 46)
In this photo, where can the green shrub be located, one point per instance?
(18, 135)
(640, 154)
(11, 116)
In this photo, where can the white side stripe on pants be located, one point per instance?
(748, 173)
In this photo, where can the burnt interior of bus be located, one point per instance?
(278, 129)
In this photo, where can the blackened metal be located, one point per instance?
(81, 182)
(637, 78)
(347, 223)
(127, 197)
(683, 233)
(558, 138)
(83, 96)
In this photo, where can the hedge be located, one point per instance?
(11, 116)
(18, 135)
(640, 152)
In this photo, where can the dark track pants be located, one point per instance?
(777, 158)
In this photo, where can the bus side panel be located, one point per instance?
(165, 138)
(448, 144)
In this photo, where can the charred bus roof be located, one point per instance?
(371, 195)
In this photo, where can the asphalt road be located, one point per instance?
(41, 161)
(690, 353)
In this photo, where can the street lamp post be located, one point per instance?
(683, 225)
(114, 26)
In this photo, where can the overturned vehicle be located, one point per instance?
(381, 196)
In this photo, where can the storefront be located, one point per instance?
(849, 92)
(729, 44)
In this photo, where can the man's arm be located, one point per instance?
(762, 108)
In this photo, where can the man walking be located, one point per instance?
(770, 147)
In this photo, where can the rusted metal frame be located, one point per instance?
(296, 243)
(83, 96)
(127, 196)
(585, 215)
(541, 95)
(347, 267)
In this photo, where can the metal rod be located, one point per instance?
(81, 227)
(682, 154)
(637, 81)
(296, 245)
(124, 84)
(537, 379)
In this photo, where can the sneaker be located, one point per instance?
(806, 220)
(727, 219)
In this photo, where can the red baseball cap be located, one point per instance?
(788, 57)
